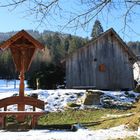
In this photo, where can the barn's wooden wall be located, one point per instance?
(82, 67)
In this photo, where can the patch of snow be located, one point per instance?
(56, 100)
(136, 71)
(120, 96)
(138, 132)
(81, 134)
(114, 133)
(117, 116)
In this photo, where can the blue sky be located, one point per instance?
(13, 20)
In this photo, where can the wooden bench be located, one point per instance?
(20, 114)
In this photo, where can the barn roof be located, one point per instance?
(18, 36)
(125, 47)
(113, 32)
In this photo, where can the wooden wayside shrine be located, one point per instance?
(23, 47)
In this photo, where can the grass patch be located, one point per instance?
(88, 117)
(93, 118)
(108, 123)
(131, 138)
(71, 117)
(71, 104)
(134, 122)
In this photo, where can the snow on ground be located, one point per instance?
(81, 134)
(117, 116)
(56, 100)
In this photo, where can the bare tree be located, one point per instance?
(79, 16)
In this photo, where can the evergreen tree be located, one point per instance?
(97, 29)
(57, 48)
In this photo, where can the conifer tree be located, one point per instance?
(97, 29)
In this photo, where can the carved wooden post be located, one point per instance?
(21, 106)
(21, 87)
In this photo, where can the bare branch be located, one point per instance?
(96, 8)
(43, 10)
(14, 3)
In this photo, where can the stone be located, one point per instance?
(137, 89)
(92, 97)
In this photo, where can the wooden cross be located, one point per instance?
(23, 47)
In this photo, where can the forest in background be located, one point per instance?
(46, 68)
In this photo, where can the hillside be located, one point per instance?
(36, 34)
(135, 46)
(46, 65)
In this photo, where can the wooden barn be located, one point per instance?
(104, 63)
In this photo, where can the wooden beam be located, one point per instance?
(4, 113)
(25, 46)
(84, 87)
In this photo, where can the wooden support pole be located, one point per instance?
(21, 88)
(1, 122)
(21, 106)
(4, 122)
(5, 108)
(34, 121)
(33, 108)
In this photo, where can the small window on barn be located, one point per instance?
(102, 68)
